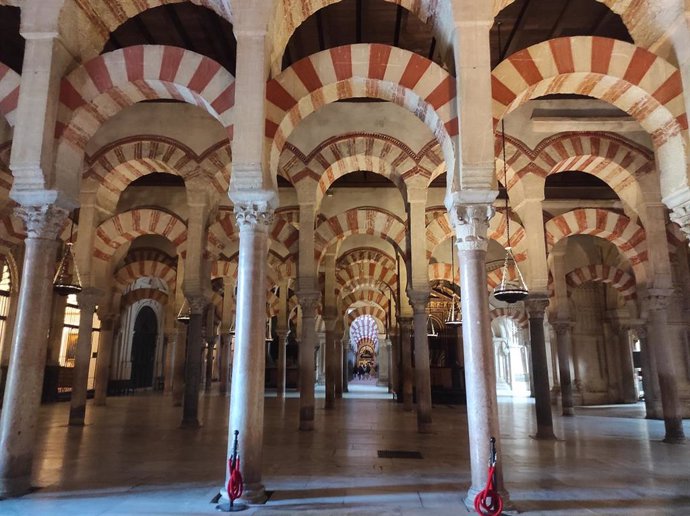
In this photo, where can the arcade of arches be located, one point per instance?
(314, 184)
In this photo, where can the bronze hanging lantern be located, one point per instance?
(512, 287)
(431, 330)
(185, 313)
(455, 314)
(67, 280)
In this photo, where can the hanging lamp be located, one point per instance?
(67, 280)
(185, 313)
(455, 315)
(512, 287)
(431, 330)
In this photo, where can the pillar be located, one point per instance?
(179, 364)
(628, 386)
(248, 372)
(308, 302)
(536, 307)
(18, 420)
(650, 378)
(394, 363)
(52, 371)
(419, 300)
(192, 372)
(657, 304)
(87, 306)
(210, 346)
(405, 325)
(345, 347)
(471, 223)
(563, 346)
(105, 351)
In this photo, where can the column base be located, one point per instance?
(253, 494)
(424, 426)
(674, 431)
(15, 486)
(568, 411)
(544, 435)
(77, 416)
(468, 501)
(190, 423)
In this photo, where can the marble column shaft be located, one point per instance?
(332, 359)
(650, 378)
(405, 325)
(563, 347)
(536, 306)
(628, 387)
(471, 224)
(105, 351)
(249, 359)
(193, 362)
(82, 359)
(419, 300)
(18, 419)
(179, 364)
(657, 303)
(307, 375)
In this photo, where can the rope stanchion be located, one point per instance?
(488, 502)
(235, 485)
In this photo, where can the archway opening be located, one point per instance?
(144, 348)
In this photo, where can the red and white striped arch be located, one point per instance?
(367, 296)
(365, 273)
(141, 294)
(520, 317)
(290, 14)
(125, 227)
(120, 163)
(131, 272)
(364, 327)
(618, 229)
(224, 269)
(628, 77)
(440, 230)
(105, 85)
(364, 70)
(366, 255)
(440, 271)
(376, 312)
(622, 281)
(9, 93)
(360, 221)
(95, 20)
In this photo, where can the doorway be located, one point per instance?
(144, 348)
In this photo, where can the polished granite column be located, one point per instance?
(19, 417)
(308, 302)
(419, 300)
(471, 223)
(87, 299)
(249, 360)
(563, 346)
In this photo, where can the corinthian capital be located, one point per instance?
(309, 302)
(256, 216)
(44, 222)
(658, 299)
(536, 306)
(681, 216)
(471, 225)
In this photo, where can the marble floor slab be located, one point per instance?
(132, 458)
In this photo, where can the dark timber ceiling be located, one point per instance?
(181, 25)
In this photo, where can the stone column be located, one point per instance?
(419, 300)
(628, 387)
(18, 420)
(320, 358)
(340, 373)
(57, 324)
(192, 376)
(308, 302)
(248, 371)
(394, 363)
(179, 364)
(223, 352)
(105, 351)
(345, 347)
(471, 223)
(332, 359)
(657, 304)
(563, 346)
(82, 359)
(225, 337)
(650, 378)
(536, 307)
(405, 325)
(210, 346)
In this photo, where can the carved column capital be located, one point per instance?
(254, 216)
(197, 304)
(680, 215)
(419, 299)
(536, 306)
(45, 222)
(561, 326)
(471, 225)
(658, 300)
(88, 298)
(308, 301)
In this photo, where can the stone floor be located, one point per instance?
(132, 458)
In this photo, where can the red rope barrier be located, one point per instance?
(235, 482)
(488, 502)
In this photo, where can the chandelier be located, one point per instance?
(431, 330)
(67, 280)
